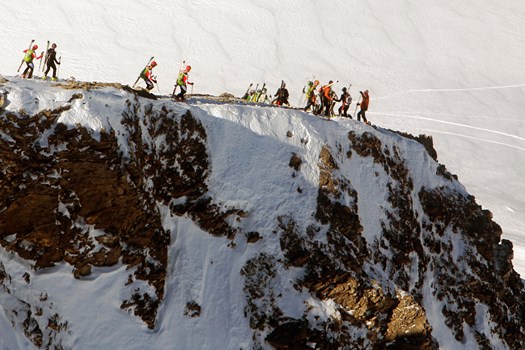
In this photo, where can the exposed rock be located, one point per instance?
(192, 309)
(295, 162)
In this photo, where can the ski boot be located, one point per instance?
(53, 79)
(44, 77)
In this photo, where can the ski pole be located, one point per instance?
(40, 64)
(21, 63)
(191, 93)
(59, 63)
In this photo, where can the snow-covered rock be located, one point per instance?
(135, 222)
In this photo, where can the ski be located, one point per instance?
(258, 93)
(245, 96)
(45, 58)
(21, 63)
(252, 97)
(40, 63)
(136, 81)
(180, 71)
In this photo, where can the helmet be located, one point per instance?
(188, 68)
(330, 82)
(344, 89)
(366, 92)
(54, 45)
(316, 82)
(35, 47)
(153, 63)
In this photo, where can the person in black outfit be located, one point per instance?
(51, 60)
(281, 96)
(346, 100)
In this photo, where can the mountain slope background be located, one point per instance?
(452, 70)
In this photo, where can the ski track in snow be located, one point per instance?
(394, 95)
(455, 124)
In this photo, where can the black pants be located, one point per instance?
(328, 107)
(362, 114)
(51, 65)
(311, 102)
(28, 72)
(149, 84)
(344, 111)
(183, 90)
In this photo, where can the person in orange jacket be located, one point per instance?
(30, 54)
(364, 106)
(326, 98)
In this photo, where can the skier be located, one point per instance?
(364, 106)
(263, 97)
(51, 60)
(310, 95)
(30, 54)
(147, 75)
(282, 96)
(182, 82)
(346, 100)
(326, 98)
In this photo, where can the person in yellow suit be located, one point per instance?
(30, 54)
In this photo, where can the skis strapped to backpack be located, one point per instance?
(247, 93)
(180, 71)
(136, 81)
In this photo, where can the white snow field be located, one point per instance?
(451, 69)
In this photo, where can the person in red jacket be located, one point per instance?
(182, 82)
(30, 54)
(147, 75)
(364, 106)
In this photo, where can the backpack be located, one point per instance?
(180, 78)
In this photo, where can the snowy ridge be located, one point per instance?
(287, 219)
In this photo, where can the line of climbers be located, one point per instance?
(50, 61)
(321, 100)
(318, 99)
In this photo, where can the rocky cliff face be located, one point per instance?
(71, 197)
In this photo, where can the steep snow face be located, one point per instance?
(450, 69)
(212, 225)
